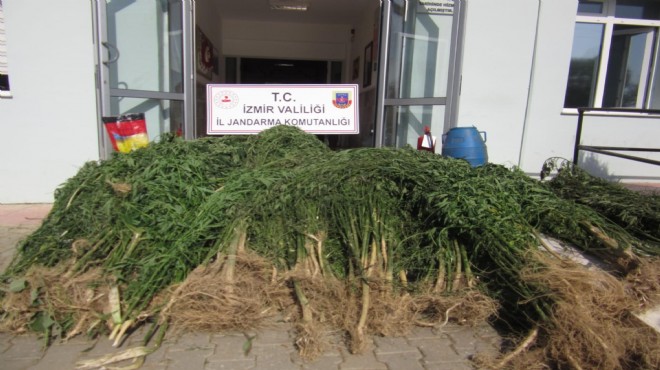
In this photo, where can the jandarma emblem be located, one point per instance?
(342, 99)
(225, 99)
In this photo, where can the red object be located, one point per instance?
(127, 132)
(110, 124)
(430, 141)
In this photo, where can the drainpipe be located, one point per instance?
(529, 87)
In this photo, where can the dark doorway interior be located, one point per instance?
(282, 71)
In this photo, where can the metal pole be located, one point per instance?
(188, 32)
(382, 72)
(578, 136)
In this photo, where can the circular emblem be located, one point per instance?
(225, 99)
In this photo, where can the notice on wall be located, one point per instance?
(435, 7)
(250, 109)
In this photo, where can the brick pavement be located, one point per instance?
(448, 348)
(272, 348)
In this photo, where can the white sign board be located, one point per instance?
(435, 7)
(250, 109)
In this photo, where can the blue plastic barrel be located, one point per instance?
(465, 143)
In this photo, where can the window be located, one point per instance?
(615, 61)
(4, 71)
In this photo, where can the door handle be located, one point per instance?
(111, 49)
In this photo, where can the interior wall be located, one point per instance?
(49, 125)
(274, 40)
(327, 42)
(207, 19)
(366, 33)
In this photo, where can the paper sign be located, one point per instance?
(435, 7)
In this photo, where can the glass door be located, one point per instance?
(145, 64)
(418, 77)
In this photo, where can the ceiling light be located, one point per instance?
(293, 5)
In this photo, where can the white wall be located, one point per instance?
(49, 125)
(547, 132)
(497, 61)
(550, 131)
(620, 131)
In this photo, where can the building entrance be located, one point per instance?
(157, 57)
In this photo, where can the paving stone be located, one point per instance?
(462, 338)
(488, 339)
(449, 366)
(390, 345)
(436, 350)
(362, 361)
(261, 350)
(491, 347)
(19, 363)
(5, 342)
(328, 361)
(419, 332)
(99, 347)
(192, 341)
(61, 356)
(464, 353)
(275, 357)
(405, 360)
(229, 347)
(26, 347)
(157, 359)
(485, 331)
(187, 351)
(193, 358)
(229, 365)
(10, 236)
(23, 352)
(331, 355)
(275, 335)
(102, 346)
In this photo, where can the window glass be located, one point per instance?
(590, 7)
(654, 89)
(630, 77)
(145, 49)
(162, 116)
(4, 70)
(404, 124)
(637, 9)
(583, 69)
(420, 46)
(4, 82)
(629, 61)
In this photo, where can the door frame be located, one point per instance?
(106, 53)
(454, 79)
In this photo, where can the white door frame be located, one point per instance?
(107, 54)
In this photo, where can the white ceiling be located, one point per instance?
(319, 11)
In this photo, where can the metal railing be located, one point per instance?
(612, 150)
